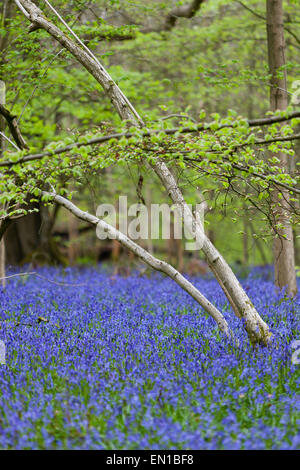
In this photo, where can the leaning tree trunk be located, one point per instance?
(256, 328)
(283, 246)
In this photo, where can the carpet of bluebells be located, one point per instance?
(134, 363)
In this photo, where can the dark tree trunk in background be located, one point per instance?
(29, 239)
(22, 239)
(6, 8)
(22, 236)
(283, 248)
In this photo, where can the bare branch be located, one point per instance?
(87, 59)
(23, 10)
(247, 169)
(147, 258)
(31, 273)
(13, 127)
(273, 119)
(8, 140)
(184, 11)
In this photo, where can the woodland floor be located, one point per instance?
(133, 363)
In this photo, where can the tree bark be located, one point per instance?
(6, 13)
(283, 246)
(22, 238)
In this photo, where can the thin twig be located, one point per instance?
(8, 140)
(43, 277)
(38, 84)
(91, 55)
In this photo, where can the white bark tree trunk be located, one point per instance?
(256, 328)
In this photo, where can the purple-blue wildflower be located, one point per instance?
(135, 363)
